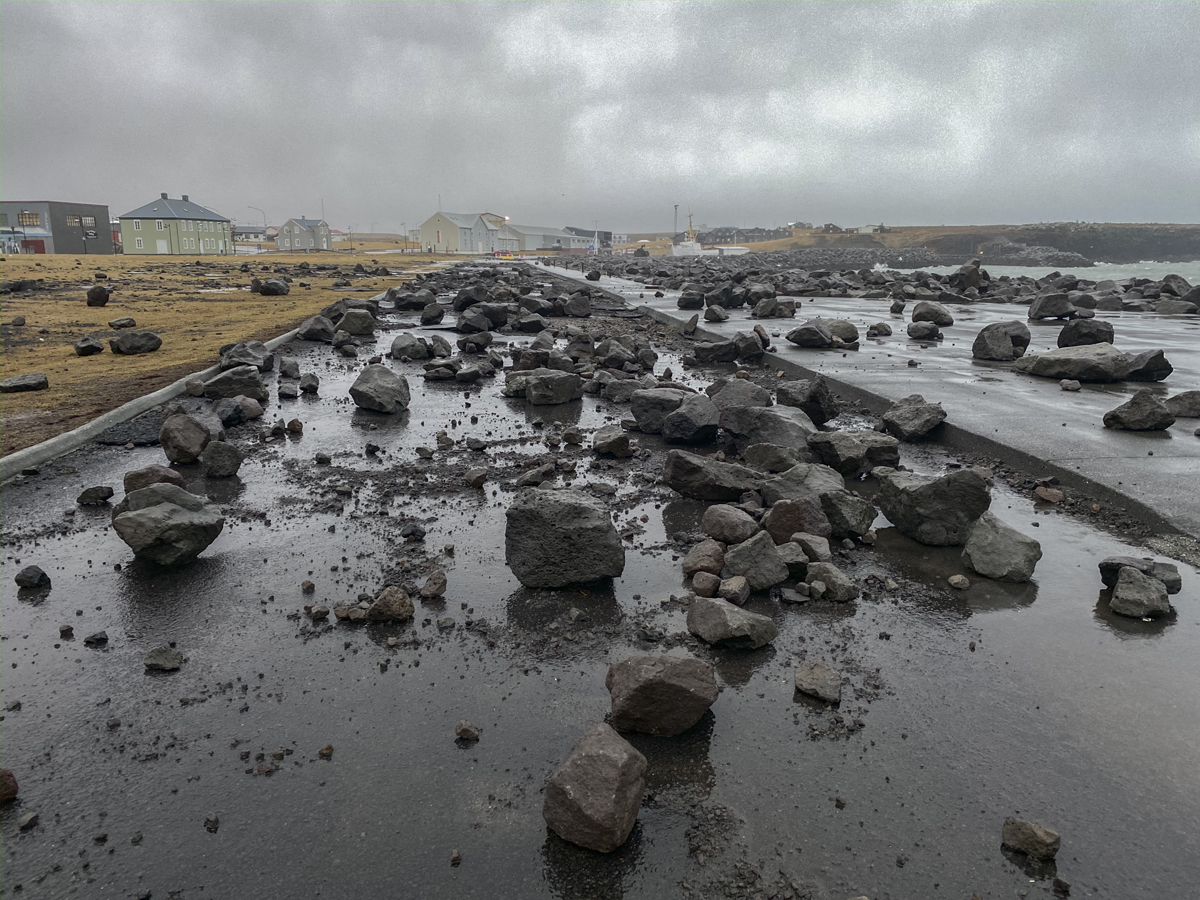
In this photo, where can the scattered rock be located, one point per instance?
(380, 389)
(728, 524)
(959, 582)
(242, 381)
(718, 621)
(612, 440)
(707, 556)
(32, 577)
(935, 511)
(1081, 332)
(815, 678)
(221, 460)
(134, 342)
(1000, 552)
(1031, 839)
(435, 585)
(757, 561)
(1001, 341)
(663, 695)
(89, 346)
(1102, 363)
(95, 496)
(1070, 385)
(839, 588)
(705, 478)
(183, 438)
(812, 397)
(163, 659)
(1139, 596)
(556, 538)
(137, 479)
(466, 731)
(593, 798)
(165, 524)
(21, 383)
(8, 786)
(1167, 573)
(1185, 405)
(1144, 412)
(392, 604)
(912, 417)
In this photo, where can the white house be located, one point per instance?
(304, 234)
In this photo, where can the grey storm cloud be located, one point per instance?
(569, 113)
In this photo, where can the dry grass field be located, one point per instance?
(195, 309)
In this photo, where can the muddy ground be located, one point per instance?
(961, 708)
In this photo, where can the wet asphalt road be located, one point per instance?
(1062, 714)
(1033, 415)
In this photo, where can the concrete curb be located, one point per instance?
(957, 438)
(60, 444)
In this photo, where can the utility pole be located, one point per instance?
(676, 231)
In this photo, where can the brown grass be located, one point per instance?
(170, 296)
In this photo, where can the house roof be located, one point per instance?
(308, 223)
(462, 220)
(537, 229)
(174, 209)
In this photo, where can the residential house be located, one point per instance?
(304, 235)
(249, 234)
(53, 226)
(176, 227)
(537, 237)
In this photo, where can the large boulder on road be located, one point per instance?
(936, 511)
(242, 381)
(757, 561)
(663, 695)
(1139, 596)
(593, 798)
(1102, 363)
(380, 389)
(650, 408)
(912, 417)
(1001, 341)
(705, 478)
(556, 538)
(719, 622)
(183, 438)
(783, 426)
(1143, 412)
(549, 387)
(166, 525)
(812, 397)
(1081, 332)
(318, 328)
(998, 551)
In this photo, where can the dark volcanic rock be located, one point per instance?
(166, 524)
(20, 383)
(1144, 412)
(705, 478)
(1081, 332)
(935, 511)
(134, 342)
(663, 695)
(593, 798)
(557, 538)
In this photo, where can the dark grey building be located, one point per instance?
(52, 226)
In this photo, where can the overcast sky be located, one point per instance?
(571, 113)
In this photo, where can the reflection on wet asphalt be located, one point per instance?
(1062, 713)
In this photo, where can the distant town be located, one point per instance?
(178, 226)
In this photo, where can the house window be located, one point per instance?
(28, 218)
(89, 221)
(287, 242)
(138, 243)
(158, 224)
(73, 221)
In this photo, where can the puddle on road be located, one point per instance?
(1062, 714)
